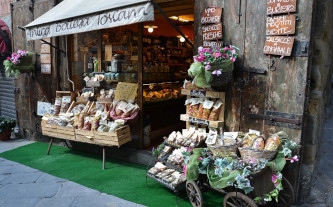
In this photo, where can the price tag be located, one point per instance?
(211, 138)
(232, 135)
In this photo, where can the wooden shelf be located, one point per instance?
(213, 124)
(207, 94)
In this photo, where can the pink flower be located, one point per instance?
(200, 49)
(274, 180)
(204, 50)
(230, 47)
(184, 170)
(8, 58)
(233, 51)
(195, 59)
(199, 158)
(207, 67)
(294, 159)
(226, 48)
(217, 55)
(188, 149)
(225, 56)
(232, 59)
(251, 161)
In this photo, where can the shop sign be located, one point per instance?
(211, 15)
(209, 44)
(281, 25)
(279, 45)
(198, 93)
(126, 91)
(45, 69)
(108, 19)
(212, 32)
(198, 121)
(281, 6)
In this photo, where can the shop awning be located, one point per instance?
(76, 16)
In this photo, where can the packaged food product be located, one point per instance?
(81, 121)
(95, 123)
(188, 105)
(65, 102)
(214, 114)
(248, 139)
(207, 107)
(57, 106)
(259, 143)
(200, 109)
(273, 142)
(87, 126)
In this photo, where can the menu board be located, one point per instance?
(279, 45)
(281, 25)
(209, 44)
(281, 6)
(212, 32)
(126, 91)
(211, 15)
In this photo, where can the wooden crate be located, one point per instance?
(66, 136)
(117, 138)
(66, 130)
(49, 130)
(84, 136)
(66, 93)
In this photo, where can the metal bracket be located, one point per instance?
(293, 121)
(301, 49)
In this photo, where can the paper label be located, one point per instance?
(66, 99)
(211, 138)
(218, 104)
(251, 131)
(208, 104)
(43, 108)
(232, 135)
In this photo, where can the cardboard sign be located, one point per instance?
(279, 45)
(209, 44)
(43, 108)
(211, 15)
(126, 91)
(212, 32)
(45, 69)
(281, 6)
(281, 25)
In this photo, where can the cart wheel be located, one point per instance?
(286, 196)
(194, 193)
(235, 199)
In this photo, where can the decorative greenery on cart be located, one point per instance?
(234, 171)
(19, 62)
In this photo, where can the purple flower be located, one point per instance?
(233, 51)
(207, 67)
(200, 49)
(226, 48)
(274, 180)
(199, 158)
(217, 55)
(8, 58)
(232, 59)
(217, 72)
(184, 170)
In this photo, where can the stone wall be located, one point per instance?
(5, 12)
(320, 88)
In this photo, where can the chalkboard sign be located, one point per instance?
(209, 44)
(198, 93)
(212, 32)
(281, 6)
(281, 25)
(126, 91)
(279, 45)
(43, 108)
(198, 121)
(211, 15)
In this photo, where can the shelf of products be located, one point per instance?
(157, 92)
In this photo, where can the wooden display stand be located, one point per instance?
(213, 96)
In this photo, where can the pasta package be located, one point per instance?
(214, 115)
(194, 107)
(65, 102)
(207, 106)
(248, 139)
(259, 143)
(95, 123)
(188, 105)
(200, 109)
(273, 142)
(57, 106)
(81, 121)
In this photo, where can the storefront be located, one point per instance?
(267, 93)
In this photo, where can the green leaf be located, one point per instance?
(208, 76)
(257, 199)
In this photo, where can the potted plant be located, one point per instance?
(213, 66)
(6, 126)
(19, 62)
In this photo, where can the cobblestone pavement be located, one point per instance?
(22, 186)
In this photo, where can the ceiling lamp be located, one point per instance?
(181, 38)
(150, 28)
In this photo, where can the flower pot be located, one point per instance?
(25, 65)
(226, 66)
(5, 135)
(223, 79)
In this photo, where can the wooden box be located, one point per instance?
(49, 130)
(66, 93)
(84, 136)
(117, 138)
(66, 132)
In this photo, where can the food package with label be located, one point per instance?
(248, 139)
(188, 105)
(65, 102)
(207, 107)
(57, 106)
(200, 109)
(214, 114)
(194, 107)
(258, 143)
(273, 142)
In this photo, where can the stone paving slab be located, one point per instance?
(22, 186)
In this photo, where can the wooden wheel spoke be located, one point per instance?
(231, 204)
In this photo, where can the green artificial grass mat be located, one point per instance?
(122, 179)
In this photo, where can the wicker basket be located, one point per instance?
(223, 79)
(255, 154)
(225, 151)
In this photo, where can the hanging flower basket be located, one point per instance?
(226, 66)
(19, 62)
